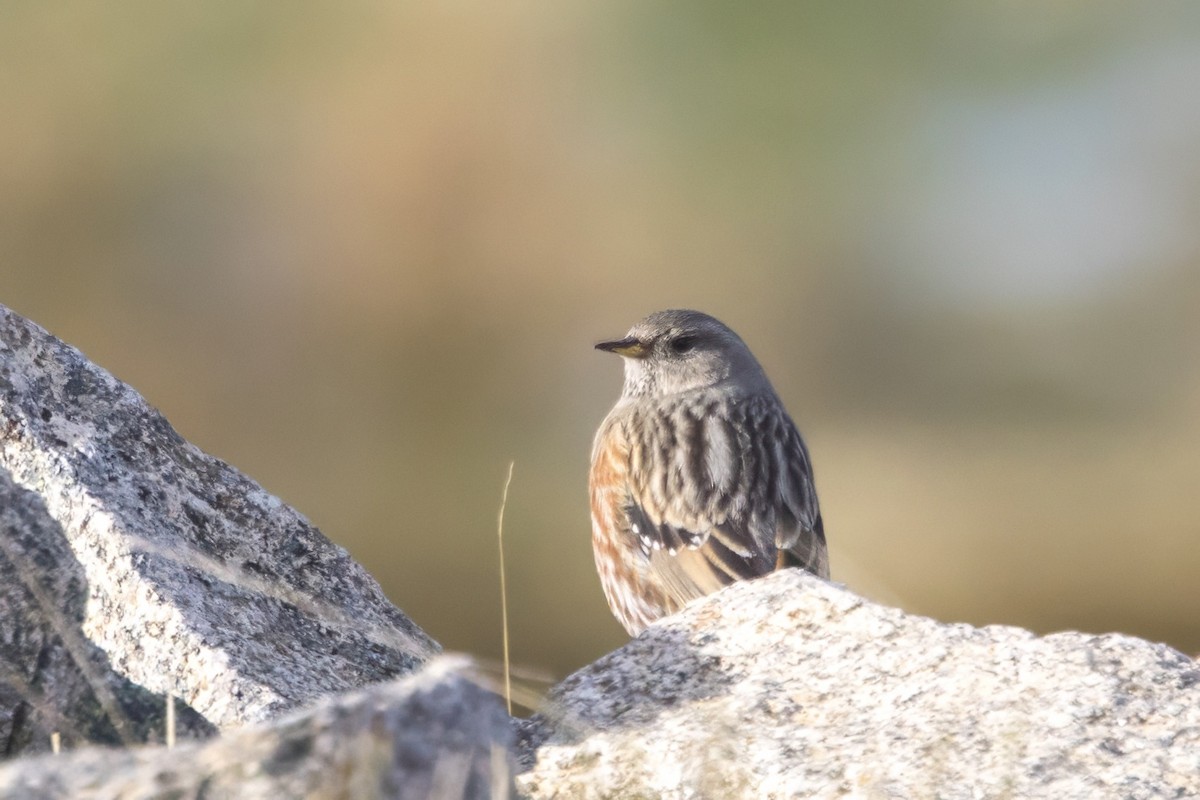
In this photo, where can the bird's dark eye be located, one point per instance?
(683, 344)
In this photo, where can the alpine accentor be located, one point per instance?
(699, 477)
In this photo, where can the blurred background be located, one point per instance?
(362, 252)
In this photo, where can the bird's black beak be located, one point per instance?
(629, 347)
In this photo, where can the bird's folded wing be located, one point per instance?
(731, 499)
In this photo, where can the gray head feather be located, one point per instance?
(679, 350)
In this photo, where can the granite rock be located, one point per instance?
(789, 686)
(134, 565)
(435, 734)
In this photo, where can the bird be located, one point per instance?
(698, 475)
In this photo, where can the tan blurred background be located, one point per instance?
(362, 251)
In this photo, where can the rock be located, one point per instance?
(436, 734)
(134, 565)
(788, 686)
(52, 678)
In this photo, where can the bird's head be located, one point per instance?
(679, 350)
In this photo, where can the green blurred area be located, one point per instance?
(362, 252)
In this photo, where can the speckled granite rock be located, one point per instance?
(52, 679)
(792, 687)
(435, 734)
(147, 565)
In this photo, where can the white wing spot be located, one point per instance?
(636, 528)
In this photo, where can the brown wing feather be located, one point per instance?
(634, 594)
